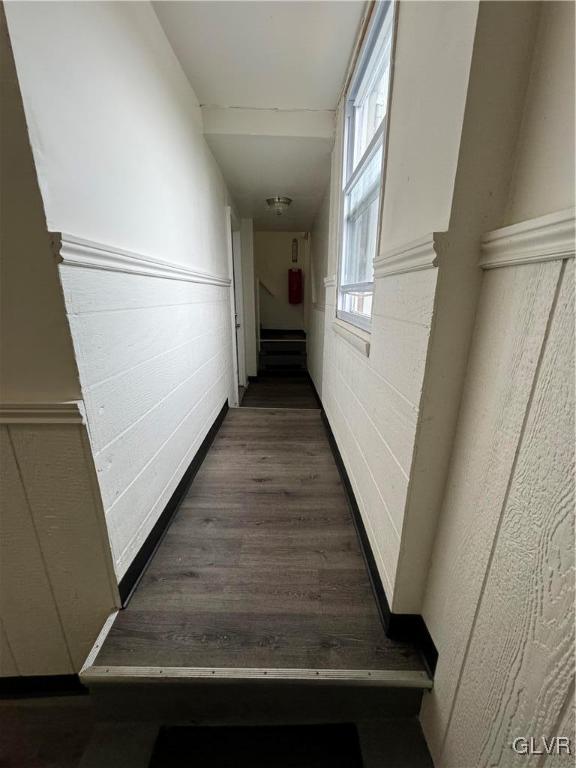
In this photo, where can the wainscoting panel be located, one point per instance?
(57, 580)
(519, 673)
(29, 613)
(505, 634)
(154, 353)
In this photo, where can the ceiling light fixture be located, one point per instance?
(278, 204)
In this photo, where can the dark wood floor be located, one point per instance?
(261, 568)
(280, 391)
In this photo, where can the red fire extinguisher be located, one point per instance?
(295, 287)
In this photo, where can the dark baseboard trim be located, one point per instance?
(316, 395)
(131, 578)
(398, 626)
(37, 686)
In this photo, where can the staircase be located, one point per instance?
(282, 350)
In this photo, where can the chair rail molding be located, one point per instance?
(329, 281)
(408, 257)
(545, 238)
(71, 412)
(78, 252)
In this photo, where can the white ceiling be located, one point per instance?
(264, 57)
(282, 55)
(257, 167)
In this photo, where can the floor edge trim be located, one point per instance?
(383, 678)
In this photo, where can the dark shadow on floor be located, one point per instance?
(54, 732)
(289, 390)
(313, 746)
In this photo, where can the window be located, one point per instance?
(364, 145)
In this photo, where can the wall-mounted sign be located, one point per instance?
(295, 251)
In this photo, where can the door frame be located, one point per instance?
(239, 304)
(233, 225)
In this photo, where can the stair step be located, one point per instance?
(271, 333)
(286, 347)
(223, 701)
(392, 742)
(289, 362)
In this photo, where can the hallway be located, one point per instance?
(260, 573)
(287, 369)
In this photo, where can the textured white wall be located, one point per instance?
(116, 133)
(154, 357)
(500, 594)
(499, 601)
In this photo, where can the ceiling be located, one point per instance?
(257, 167)
(268, 76)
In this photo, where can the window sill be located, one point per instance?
(359, 339)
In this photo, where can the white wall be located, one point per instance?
(319, 238)
(500, 595)
(272, 260)
(116, 134)
(36, 355)
(543, 179)
(117, 143)
(57, 585)
(431, 70)
(372, 384)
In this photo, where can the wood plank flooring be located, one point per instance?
(287, 391)
(261, 567)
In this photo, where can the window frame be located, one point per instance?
(384, 13)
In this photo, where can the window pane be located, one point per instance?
(361, 246)
(361, 224)
(365, 130)
(356, 303)
(370, 101)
